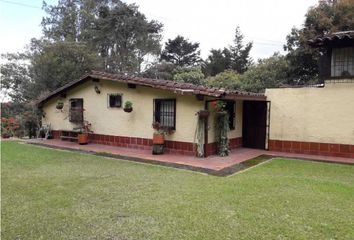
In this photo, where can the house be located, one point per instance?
(311, 120)
(318, 119)
(175, 105)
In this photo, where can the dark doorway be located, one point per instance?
(254, 130)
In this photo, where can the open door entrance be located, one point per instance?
(255, 127)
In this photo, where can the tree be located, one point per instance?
(55, 64)
(117, 32)
(235, 57)
(16, 80)
(192, 75)
(217, 62)
(240, 59)
(45, 67)
(123, 37)
(267, 73)
(326, 17)
(228, 79)
(181, 52)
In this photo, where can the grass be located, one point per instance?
(51, 194)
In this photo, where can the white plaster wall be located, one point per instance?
(313, 114)
(114, 121)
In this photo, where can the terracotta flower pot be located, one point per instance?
(128, 110)
(158, 139)
(83, 138)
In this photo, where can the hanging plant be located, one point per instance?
(199, 136)
(128, 107)
(203, 114)
(221, 130)
(60, 105)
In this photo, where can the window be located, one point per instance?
(114, 100)
(76, 113)
(230, 108)
(342, 62)
(165, 112)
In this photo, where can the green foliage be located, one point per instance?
(228, 79)
(221, 131)
(268, 73)
(128, 104)
(124, 37)
(160, 70)
(235, 57)
(326, 17)
(181, 52)
(192, 75)
(240, 59)
(55, 64)
(217, 62)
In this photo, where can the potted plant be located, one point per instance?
(159, 134)
(158, 139)
(128, 106)
(219, 107)
(83, 136)
(203, 114)
(60, 105)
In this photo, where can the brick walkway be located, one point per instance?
(209, 164)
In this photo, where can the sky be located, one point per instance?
(211, 23)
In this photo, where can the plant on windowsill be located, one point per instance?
(128, 106)
(83, 136)
(60, 105)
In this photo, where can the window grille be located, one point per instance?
(114, 100)
(165, 112)
(342, 62)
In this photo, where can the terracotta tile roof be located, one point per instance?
(347, 36)
(180, 88)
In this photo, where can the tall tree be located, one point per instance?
(235, 57)
(217, 62)
(240, 53)
(181, 52)
(326, 17)
(118, 32)
(270, 72)
(124, 37)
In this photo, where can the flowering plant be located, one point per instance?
(218, 105)
(9, 126)
(159, 129)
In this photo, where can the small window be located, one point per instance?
(165, 112)
(230, 108)
(114, 100)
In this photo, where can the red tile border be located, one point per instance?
(175, 147)
(313, 148)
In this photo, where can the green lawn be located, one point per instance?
(51, 194)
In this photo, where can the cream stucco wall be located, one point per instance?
(313, 114)
(114, 121)
(235, 133)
